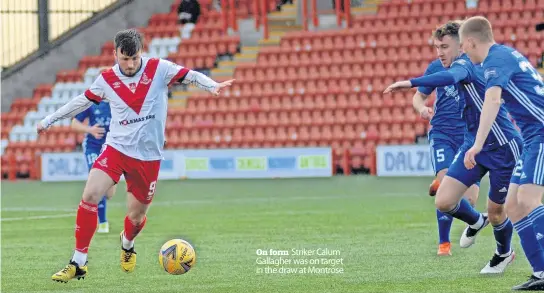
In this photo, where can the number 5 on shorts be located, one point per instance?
(440, 155)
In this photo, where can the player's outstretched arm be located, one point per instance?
(442, 78)
(202, 81)
(72, 108)
(490, 109)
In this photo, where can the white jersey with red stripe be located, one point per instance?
(138, 106)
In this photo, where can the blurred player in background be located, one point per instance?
(511, 79)
(448, 127)
(499, 156)
(97, 128)
(136, 88)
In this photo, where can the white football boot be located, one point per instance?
(469, 235)
(498, 263)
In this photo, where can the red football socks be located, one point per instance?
(131, 230)
(86, 223)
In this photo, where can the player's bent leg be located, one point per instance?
(86, 222)
(97, 184)
(134, 223)
(449, 194)
(141, 179)
(449, 200)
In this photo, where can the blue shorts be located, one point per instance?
(498, 162)
(530, 167)
(443, 149)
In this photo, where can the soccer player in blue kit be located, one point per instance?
(99, 117)
(511, 79)
(500, 152)
(448, 127)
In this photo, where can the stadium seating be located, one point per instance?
(324, 88)
(19, 140)
(318, 88)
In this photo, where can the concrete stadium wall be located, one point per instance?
(87, 42)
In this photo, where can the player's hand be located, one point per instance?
(397, 86)
(426, 113)
(217, 90)
(96, 131)
(470, 156)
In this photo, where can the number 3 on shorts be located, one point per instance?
(151, 190)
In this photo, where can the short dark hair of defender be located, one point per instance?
(451, 29)
(130, 41)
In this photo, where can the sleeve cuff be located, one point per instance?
(179, 76)
(92, 97)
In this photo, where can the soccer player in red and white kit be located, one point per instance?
(136, 88)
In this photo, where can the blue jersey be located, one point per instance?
(97, 114)
(522, 89)
(472, 88)
(447, 121)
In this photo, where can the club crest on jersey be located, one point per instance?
(145, 80)
(132, 86)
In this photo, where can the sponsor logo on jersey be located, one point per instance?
(136, 120)
(451, 91)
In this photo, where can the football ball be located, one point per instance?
(177, 256)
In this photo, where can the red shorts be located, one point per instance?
(141, 176)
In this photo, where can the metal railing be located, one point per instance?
(30, 25)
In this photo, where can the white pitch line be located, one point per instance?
(36, 209)
(215, 201)
(37, 217)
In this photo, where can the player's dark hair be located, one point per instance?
(449, 29)
(130, 41)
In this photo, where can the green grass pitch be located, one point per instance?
(384, 229)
